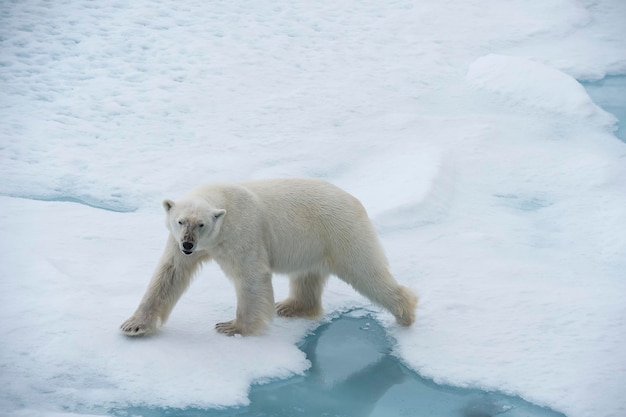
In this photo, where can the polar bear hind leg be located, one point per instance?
(364, 266)
(382, 289)
(305, 296)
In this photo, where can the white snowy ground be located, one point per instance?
(497, 185)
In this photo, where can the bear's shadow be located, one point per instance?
(353, 373)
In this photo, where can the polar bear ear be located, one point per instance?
(167, 205)
(219, 213)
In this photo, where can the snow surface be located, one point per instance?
(497, 185)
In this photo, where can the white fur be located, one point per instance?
(306, 228)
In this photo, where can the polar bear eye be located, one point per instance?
(201, 225)
(180, 222)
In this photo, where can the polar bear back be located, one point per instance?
(296, 224)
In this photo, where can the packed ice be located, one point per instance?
(496, 183)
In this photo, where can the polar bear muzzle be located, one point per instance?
(187, 248)
(188, 243)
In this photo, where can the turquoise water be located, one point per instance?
(610, 94)
(354, 374)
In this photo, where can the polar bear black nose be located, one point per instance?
(187, 245)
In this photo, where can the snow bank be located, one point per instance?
(526, 83)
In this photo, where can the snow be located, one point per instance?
(531, 84)
(496, 183)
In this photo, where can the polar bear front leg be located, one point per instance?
(168, 283)
(255, 306)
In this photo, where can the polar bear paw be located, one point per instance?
(136, 327)
(229, 328)
(291, 308)
(287, 308)
(405, 309)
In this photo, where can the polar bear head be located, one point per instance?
(193, 223)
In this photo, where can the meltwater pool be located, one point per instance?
(610, 94)
(353, 374)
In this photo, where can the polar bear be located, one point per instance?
(306, 228)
